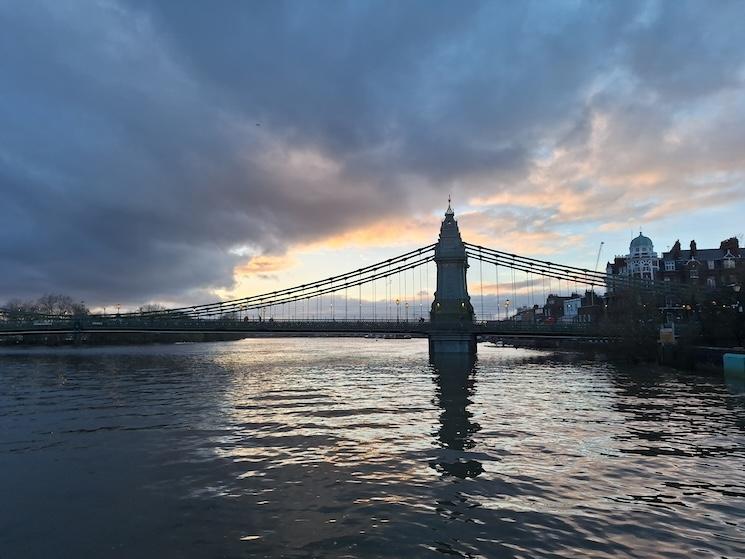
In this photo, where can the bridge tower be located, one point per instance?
(452, 312)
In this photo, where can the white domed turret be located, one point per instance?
(642, 259)
(641, 245)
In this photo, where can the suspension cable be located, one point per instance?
(496, 275)
(481, 280)
(371, 269)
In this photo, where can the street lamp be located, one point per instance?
(332, 311)
(398, 302)
(507, 309)
(406, 304)
(740, 317)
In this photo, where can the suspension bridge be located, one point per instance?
(393, 297)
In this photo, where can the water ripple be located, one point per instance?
(311, 448)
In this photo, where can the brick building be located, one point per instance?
(708, 268)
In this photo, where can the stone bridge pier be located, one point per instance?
(452, 312)
(452, 342)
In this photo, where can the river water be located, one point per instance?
(362, 448)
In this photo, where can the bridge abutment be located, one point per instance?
(451, 343)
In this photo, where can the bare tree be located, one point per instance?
(18, 308)
(49, 304)
(60, 305)
(151, 308)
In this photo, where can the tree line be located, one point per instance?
(57, 304)
(53, 304)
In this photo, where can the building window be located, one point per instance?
(710, 264)
(711, 282)
(729, 263)
(669, 265)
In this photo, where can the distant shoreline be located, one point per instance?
(100, 339)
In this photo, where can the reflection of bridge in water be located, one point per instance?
(324, 308)
(455, 387)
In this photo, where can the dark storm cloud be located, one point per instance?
(683, 51)
(141, 142)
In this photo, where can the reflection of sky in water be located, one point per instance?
(355, 447)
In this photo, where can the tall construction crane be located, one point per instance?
(597, 260)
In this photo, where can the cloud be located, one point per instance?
(149, 150)
(263, 265)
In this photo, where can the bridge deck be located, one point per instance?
(309, 327)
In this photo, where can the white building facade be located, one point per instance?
(642, 261)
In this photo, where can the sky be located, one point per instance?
(182, 152)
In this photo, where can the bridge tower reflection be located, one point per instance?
(455, 380)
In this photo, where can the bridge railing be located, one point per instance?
(539, 326)
(152, 323)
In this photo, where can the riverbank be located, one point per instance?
(101, 339)
(145, 338)
(704, 360)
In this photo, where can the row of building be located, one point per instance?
(576, 307)
(709, 268)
